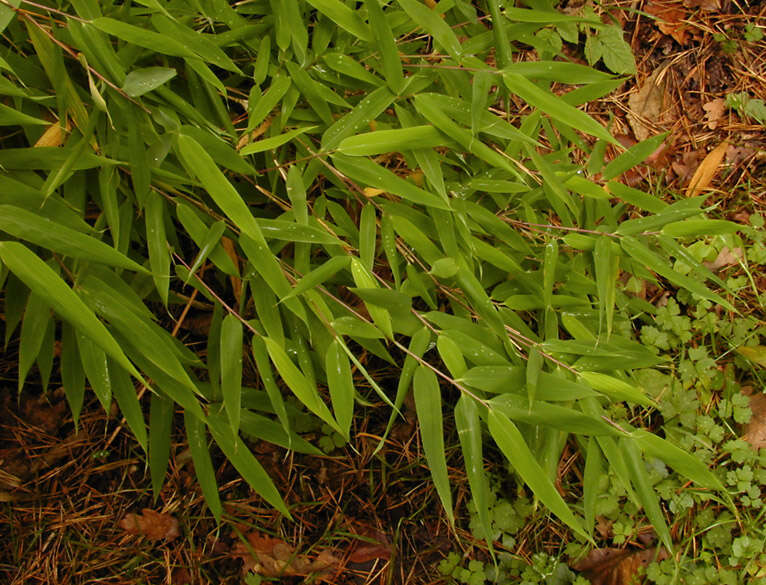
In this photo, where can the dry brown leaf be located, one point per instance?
(671, 16)
(614, 566)
(708, 168)
(153, 525)
(275, 558)
(647, 105)
(53, 136)
(755, 432)
(714, 111)
(725, 258)
(370, 192)
(709, 5)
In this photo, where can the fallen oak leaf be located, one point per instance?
(714, 111)
(614, 566)
(755, 431)
(275, 558)
(153, 525)
(647, 105)
(707, 169)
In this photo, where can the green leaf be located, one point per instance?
(700, 227)
(36, 317)
(231, 368)
(515, 449)
(616, 388)
(56, 237)
(127, 399)
(319, 275)
(635, 155)
(303, 389)
(368, 231)
(341, 386)
(371, 173)
(143, 37)
(198, 162)
(556, 108)
(469, 433)
(157, 244)
(41, 279)
(590, 481)
(617, 54)
(96, 366)
(431, 21)
(386, 43)
(647, 495)
(560, 71)
(607, 265)
(428, 405)
(160, 429)
(275, 141)
(211, 240)
(344, 17)
(245, 462)
(196, 435)
(652, 261)
(399, 140)
(13, 117)
(431, 109)
(72, 374)
(141, 81)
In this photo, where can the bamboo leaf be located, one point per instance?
(231, 369)
(515, 449)
(160, 428)
(299, 384)
(428, 405)
(54, 236)
(430, 21)
(141, 81)
(344, 17)
(399, 140)
(196, 435)
(469, 433)
(341, 386)
(639, 477)
(246, 464)
(125, 394)
(556, 108)
(41, 279)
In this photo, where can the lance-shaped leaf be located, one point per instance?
(41, 279)
(54, 236)
(341, 386)
(196, 435)
(231, 368)
(515, 449)
(428, 405)
(469, 432)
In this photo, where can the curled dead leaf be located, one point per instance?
(151, 524)
(614, 566)
(707, 170)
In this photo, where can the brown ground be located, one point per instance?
(66, 494)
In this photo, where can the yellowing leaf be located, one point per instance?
(707, 170)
